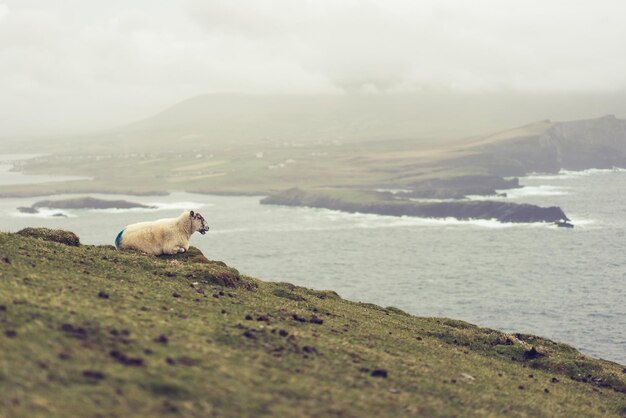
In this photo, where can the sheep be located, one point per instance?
(164, 236)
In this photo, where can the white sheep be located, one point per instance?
(164, 236)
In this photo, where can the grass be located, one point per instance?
(237, 171)
(92, 331)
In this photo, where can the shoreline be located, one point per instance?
(455, 198)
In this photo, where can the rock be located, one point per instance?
(192, 255)
(532, 354)
(27, 209)
(74, 331)
(161, 339)
(564, 224)
(88, 203)
(126, 360)
(298, 318)
(55, 235)
(93, 374)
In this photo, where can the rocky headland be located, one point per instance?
(386, 204)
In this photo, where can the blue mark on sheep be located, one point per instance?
(118, 239)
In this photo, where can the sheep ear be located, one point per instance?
(191, 213)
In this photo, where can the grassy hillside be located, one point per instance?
(91, 331)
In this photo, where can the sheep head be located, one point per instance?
(198, 222)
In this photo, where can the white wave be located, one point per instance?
(523, 192)
(569, 174)
(124, 210)
(429, 200)
(179, 205)
(485, 197)
(529, 191)
(337, 220)
(156, 206)
(582, 222)
(408, 221)
(537, 176)
(231, 231)
(45, 214)
(592, 171)
(394, 191)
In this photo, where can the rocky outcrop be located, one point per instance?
(595, 143)
(459, 187)
(83, 203)
(463, 210)
(54, 235)
(575, 145)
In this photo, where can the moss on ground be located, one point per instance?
(54, 235)
(91, 331)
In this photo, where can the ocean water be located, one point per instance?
(564, 284)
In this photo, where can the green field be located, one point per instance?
(91, 331)
(240, 171)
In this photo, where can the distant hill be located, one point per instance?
(229, 120)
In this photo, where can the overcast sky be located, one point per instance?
(87, 64)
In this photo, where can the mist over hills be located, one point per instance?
(231, 120)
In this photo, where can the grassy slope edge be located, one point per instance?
(92, 331)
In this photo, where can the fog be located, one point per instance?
(72, 65)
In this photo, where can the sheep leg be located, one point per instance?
(173, 250)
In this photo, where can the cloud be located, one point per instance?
(463, 45)
(110, 62)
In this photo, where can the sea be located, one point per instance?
(567, 285)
